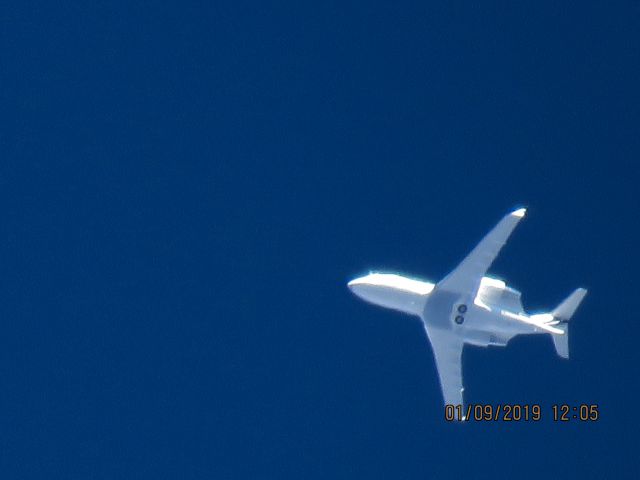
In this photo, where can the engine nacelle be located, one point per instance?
(484, 339)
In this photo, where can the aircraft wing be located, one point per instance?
(467, 275)
(447, 350)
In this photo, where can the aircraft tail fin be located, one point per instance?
(563, 313)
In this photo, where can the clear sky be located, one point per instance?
(187, 187)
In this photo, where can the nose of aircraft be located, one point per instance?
(353, 284)
(363, 287)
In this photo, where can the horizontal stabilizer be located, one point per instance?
(567, 308)
(563, 314)
(561, 342)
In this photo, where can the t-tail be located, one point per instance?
(562, 314)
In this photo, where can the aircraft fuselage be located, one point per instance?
(487, 319)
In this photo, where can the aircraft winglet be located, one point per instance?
(519, 212)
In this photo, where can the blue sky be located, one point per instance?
(188, 186)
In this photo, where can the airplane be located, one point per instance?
(468, 307)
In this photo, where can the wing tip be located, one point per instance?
(520, 212)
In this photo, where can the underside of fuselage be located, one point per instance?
(486, 320)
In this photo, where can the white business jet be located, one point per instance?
(467, 307)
